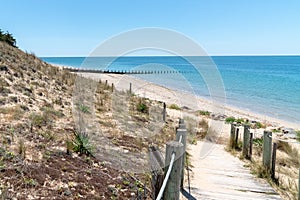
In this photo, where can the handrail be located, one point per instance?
(162, 189)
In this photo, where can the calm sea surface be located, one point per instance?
(269, 85)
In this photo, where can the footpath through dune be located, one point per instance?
(220, 175)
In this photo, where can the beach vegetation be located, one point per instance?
(239, 120)
(204, 113)
(276, 130)
(46, 118)
(142, 107)
(174, 106)
(258, 142)
(293, 154)
(81, 144)
(8, 38)
(83, 108)
(259, 125)
(37, 120)
(230, 120)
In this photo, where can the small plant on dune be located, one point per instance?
(37, 120)
(174, 106)
(240, 121)
(81, 144)
(230, 120)
(142, 107)
(276, 130)
(258, 142)
(259, 125)
(205, 113)
(83, 108)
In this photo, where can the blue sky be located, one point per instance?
(221, 27)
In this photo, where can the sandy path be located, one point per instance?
(220, 175)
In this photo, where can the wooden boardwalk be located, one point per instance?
(220, 175)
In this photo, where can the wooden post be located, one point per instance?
(130, 88)
(182, 133)
(267, 145)
(273, 160)
(237, 137)
(105, 82)
(164, 112)
(112, 87)
(250, 146)
(157, 156)
(158, 183)
(157, 173)
(232, 136)
(246, 141)
(181, 124)
(172, 189)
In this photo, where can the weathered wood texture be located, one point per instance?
(223, 176)
(172, 190)
(273, 160)
(232, 136)
(267, 149)
(246, 141)
(181, 133)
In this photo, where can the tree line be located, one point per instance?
(8, 38)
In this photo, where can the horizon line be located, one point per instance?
(214, 55)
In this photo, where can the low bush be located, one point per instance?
(174, 106)
(205, 113)
(81, 144)
(230, 120)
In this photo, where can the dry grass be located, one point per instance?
(286, 171)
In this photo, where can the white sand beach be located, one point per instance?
(183, 99)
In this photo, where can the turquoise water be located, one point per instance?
(269, 85)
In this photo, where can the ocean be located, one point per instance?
(268, 85)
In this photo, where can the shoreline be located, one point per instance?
(184, 99)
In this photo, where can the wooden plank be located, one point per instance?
(220, 175)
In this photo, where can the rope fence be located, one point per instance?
(175, 160)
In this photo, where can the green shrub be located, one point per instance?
(8, 38)
(259, 125)
(83, 108)
(205, 113)
(276, 131)
(174, 106)
(142, 107)
(81, 144)
(230, 120)
(240, 121)
(258, 141)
